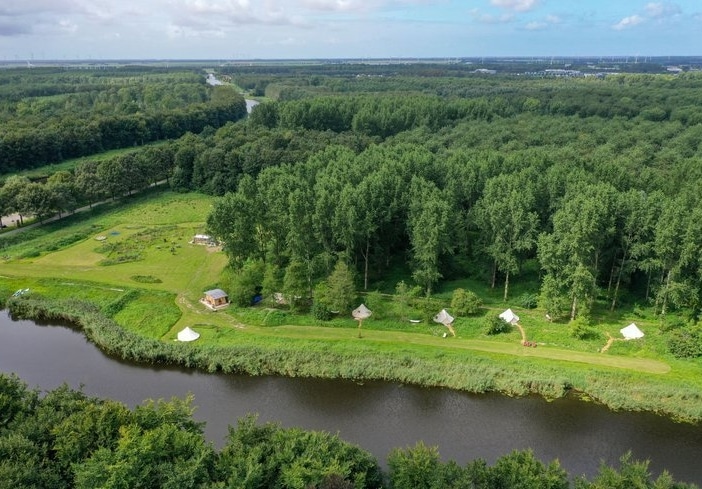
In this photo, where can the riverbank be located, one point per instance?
(65, 265)
(477, 372)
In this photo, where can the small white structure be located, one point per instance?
(203, 239)
(443, 318)
(188, 334)
(361, 312)
(509, 317)
(631, 332)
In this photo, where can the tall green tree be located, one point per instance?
(507, 223)
(36, 200)
(341, 290)
(10, 194)
(570, 254)
(430, 236)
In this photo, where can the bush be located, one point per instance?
(33, 253)
(580, 329)
(275, 318)
(428, 308)
(495, 325)
(146, 279)
(686, 343)
(528, 301)
(465, 302)
(376, 303)
(320, 311)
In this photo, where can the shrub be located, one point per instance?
(528, 301)
(465, 302)
(376, 303)
(686, 343)
(275, 318)
(33, 253)
(146, 279)
(320, 311)
(428, 308)
(244, 282)
(495, 325)
(581, 329)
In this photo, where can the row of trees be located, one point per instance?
(65, 439)
(89, 182)
(107, 113)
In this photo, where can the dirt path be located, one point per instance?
(610, 341)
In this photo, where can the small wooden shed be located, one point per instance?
(216, 298)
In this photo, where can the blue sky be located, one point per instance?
(285, 29)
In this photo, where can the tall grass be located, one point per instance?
(366, 360)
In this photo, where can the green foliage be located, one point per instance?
(146, 279)
(270, 456)
(244, 282)
(341, 291)
(274, 317)
(66, 439)
(686, 342)
(405, 297)
(523, 469)
(376, 302)
(465, 302)
(631, 473)
(428, 308)
(494, 324)
(111, 309)
(580, 329)
(528, 300)
(415, 468)
(320, 311)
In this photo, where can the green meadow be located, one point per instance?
(135, 262)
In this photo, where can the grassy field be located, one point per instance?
(136, 263)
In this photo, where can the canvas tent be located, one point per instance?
(443, 318)
(188, 334)
(361, 312)
(509, 317)
(631, 332)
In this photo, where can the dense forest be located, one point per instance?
(584, 190)
(51, 114)
(66, 439)
(589, 182)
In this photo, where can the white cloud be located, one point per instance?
(628, 22)
(536, 26)
(68, 26)
(658, 10)
(516, 5)
(333, 5)
(485, 18)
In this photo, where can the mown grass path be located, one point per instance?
(645, 365)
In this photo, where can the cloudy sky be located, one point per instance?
(284, 29)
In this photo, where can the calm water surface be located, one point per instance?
(377, 416)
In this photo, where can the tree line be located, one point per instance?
(66, 439)
(46, 119)
(606, 207)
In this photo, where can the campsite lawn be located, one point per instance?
(140, 254)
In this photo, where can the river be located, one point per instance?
(378, 416)
(250, 104)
